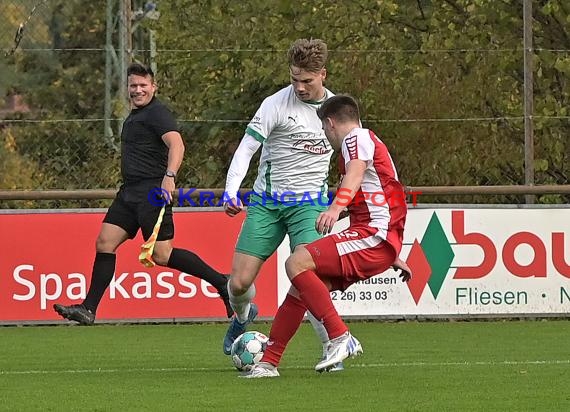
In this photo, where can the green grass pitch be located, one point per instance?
(407, 366)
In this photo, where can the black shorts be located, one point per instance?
(137, 206)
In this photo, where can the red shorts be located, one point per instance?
(350, 256)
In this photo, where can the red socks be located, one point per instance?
(315, 295)
(286, 322)
(316, 298)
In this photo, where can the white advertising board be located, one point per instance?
(468, 262)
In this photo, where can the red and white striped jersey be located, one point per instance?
(380, 203)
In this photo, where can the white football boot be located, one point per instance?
(262, 370)
(338, 350)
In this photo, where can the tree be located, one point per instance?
(441, 82)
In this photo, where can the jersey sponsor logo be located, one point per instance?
(318, 147)
(307, 136)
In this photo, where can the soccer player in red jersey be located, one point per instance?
(370, 245)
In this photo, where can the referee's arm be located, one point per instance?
(175, 145)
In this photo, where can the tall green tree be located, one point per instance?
(440, 81)
(65, 89)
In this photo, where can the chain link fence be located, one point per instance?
(51, 129)
(62, 97)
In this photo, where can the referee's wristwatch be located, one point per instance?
(170, 173)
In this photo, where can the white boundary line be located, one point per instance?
(354, 365)
(464, 363)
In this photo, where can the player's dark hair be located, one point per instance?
(310, 55)
(140, 70)
(341, 107)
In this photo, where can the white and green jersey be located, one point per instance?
(295, 154)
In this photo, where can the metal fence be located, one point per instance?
(67, 138)
(52, 137)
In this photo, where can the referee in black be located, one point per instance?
(151, 153)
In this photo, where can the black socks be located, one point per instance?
(103, 271)
(189, 262)
(180, 259)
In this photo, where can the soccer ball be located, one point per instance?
(248, 349)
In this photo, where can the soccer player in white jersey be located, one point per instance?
(291, 186)
(371, 244)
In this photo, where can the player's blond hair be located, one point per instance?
(310, 55)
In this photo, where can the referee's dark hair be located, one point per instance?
(140, 70)
(341, 107)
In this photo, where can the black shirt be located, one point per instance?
(144, 155)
